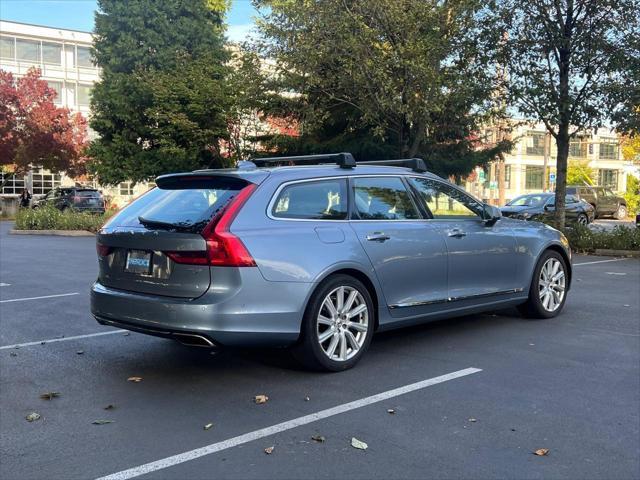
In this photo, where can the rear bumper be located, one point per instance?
(261, 313)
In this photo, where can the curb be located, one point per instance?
(617, 253)
(59, 233)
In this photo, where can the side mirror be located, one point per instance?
(491, 214)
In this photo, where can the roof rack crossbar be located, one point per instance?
(415, 164)
(343, 160)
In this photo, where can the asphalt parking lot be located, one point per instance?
(570, 385)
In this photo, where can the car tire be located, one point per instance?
(620, 213)
(546, 295)
(583, 219)
(327, 336)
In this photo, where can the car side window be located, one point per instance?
(382, 198)
(446, 202)
(570, 199)
(317, 200)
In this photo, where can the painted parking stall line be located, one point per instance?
(40, 298)
(600, 261)
(284, 426)
(61, 339)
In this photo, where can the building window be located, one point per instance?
(84, 57)
(52, 53)
(535, 143)
(125, 189)
(57, 86)
(27, 50)
(84, 95)
(578, 148)
(534, 177)
(14, 185)
(608, 178)
(7, 48)
(71, 94)
(608, 149)
(44, 182)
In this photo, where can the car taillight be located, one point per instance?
(103, 250)
(224, 249)
(76, 199)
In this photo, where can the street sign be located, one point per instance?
(552, 177)
(482, 176)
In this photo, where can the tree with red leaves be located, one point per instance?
(34, 131)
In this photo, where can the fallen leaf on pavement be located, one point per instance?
(49, 395)
(208, 426)
(32, 417)
(101, 422)
(541, 452)
(13, 354)
(355, 443)
(126, 334)
(269, 450)
(134, 379)
(318, 438)
(473, 420)
(391, 411)
(80, 352)
(260, 399)
(306, 399)
(110, 407)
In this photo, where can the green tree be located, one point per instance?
(385, 78)
(580, 173)
(162, 102)
(568, 62)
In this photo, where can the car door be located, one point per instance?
(482, 258)
(408, 255)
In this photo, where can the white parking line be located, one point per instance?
(62, 339)
(39, 298)
(284, 426)
(600, 261)
(5, 284)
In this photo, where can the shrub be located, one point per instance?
(632, 195)
(50, 218)
(583, 239)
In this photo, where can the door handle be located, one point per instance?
(457, 233)
(378, 237)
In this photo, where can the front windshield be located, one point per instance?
(528, 201)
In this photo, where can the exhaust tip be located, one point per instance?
(192, 340)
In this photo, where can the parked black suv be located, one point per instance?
(603, 200)
(83, 199)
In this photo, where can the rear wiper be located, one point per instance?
(159, 223)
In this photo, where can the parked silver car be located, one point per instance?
(317, 255)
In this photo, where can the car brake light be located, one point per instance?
(224, 249)
(103, 250)
(76, 199)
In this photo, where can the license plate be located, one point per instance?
(138, 261)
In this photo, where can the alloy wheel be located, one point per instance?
(342, 323)
(551, 284)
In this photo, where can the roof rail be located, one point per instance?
(343, 160)
(415, 164)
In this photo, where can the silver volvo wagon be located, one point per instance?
(317, 253)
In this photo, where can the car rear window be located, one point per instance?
(87, 193)
(182, 205)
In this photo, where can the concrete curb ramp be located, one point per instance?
(60, 233)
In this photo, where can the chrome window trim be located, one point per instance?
(276, 194)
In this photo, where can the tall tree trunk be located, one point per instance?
(562, 141)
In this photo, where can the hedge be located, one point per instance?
(50, 218)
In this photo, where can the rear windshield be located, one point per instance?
(87, 193)
(529, 201)
(180, 206)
